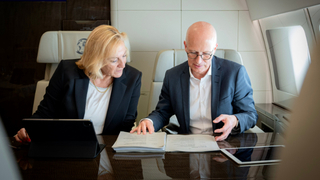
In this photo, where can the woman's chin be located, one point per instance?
(117, 75)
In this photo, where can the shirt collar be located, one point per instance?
(208, 73)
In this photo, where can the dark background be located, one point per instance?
(22, 24)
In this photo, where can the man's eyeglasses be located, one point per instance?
(204, 56)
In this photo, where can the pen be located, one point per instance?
(14, 147)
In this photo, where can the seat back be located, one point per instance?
(55, 46)
(167, 59)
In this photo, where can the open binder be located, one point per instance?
(161, 142)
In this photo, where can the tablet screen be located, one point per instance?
(254, 155)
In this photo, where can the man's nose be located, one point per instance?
(198, 59)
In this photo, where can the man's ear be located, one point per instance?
(185, 45)
(215, 48)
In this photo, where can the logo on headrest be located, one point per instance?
(81, 43)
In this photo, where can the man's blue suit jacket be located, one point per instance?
(67, 92)
(231, 94)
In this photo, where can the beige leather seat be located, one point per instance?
(55, 46)
(167, 59)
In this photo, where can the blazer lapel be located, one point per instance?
(81, 89)
(215, 88)
(185, 88)
(118, 91)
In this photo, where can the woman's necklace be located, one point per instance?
(99, 90)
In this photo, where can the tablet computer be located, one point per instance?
(254, 155)
(62, 138)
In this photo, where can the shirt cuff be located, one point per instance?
(236, 129)
(146, 119)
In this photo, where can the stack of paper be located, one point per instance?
(160, 142)
(140, 155)
(127, 142)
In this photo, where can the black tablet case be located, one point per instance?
(62, 138)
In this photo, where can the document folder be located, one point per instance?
(62, 138)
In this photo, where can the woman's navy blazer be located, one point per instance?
(66, 94)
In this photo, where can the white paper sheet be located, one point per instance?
(191, 143)
(127, 142)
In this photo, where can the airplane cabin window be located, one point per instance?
(290, 57)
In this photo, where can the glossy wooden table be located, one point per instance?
(111, 165)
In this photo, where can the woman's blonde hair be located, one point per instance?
(102, 43)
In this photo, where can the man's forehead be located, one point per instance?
(201, 45)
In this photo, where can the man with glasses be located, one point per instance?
(207, 94)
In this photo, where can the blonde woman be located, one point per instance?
(99, 86)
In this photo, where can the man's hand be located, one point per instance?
(230, 121)
(143, 126)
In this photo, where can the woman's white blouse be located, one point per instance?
(97, 106)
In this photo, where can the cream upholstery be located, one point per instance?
(167, 59)
(55, 46)
(40, 91)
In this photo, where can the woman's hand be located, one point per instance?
(24, 163)
(22, 136)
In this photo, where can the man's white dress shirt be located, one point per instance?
(200, 104)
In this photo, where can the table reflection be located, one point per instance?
(105, 168)
(192, 165)
(58, 168)
(111, 165)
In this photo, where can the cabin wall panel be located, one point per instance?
(250, 36)
(114, 19)
(260, 9)
(262, 97)
(146, 5)
(315, 19)
(293, 18)
(151, 30)
(214, 5)
(256, 64)
(227, 32)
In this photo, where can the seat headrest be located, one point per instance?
(167, 59)
(57, 45)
